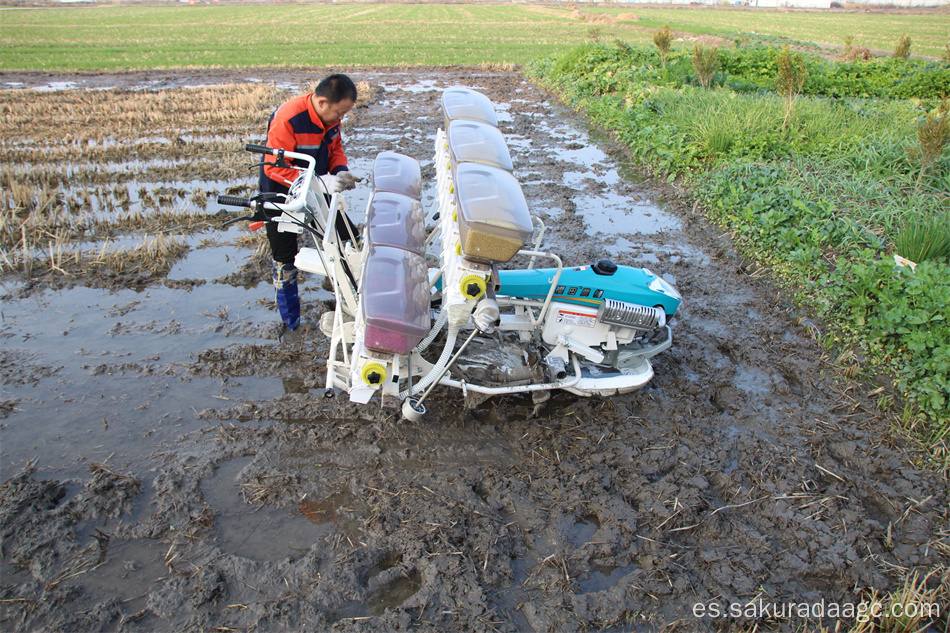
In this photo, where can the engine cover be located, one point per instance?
(580, 324)
(583, 286)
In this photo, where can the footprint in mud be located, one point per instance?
(389, 582)
(259, 533)
(598, 577)
(394, 592)
(788, 381)
(603, 577)
(583, 531)
(321, 511)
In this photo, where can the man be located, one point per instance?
(308, 124)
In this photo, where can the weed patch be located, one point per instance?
(824, 198)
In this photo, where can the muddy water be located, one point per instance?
(171, 466)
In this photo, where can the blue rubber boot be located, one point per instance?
(288, 301)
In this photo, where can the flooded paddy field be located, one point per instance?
(168, 465)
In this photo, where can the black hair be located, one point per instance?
(336, 88)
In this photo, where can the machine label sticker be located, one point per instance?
(576, 318)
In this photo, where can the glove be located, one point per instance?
(343, 181)
(331, 183)
(349, 179)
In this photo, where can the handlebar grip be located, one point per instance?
(234, 201)
(258, 149)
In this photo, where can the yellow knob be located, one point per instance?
(373, 374)
(472, 286)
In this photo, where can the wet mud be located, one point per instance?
(169, 465)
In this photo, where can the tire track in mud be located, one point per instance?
(748, 468)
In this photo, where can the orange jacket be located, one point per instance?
(295, 126)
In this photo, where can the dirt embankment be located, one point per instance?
(168, 466)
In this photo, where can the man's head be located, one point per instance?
(333, 97)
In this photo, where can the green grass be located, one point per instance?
(929, 30)
(824, 202)
(121, 37)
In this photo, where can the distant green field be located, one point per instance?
(121, 37)
(929, 29)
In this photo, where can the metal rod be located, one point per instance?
(445, 369)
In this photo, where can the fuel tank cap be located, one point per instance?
(604, 267)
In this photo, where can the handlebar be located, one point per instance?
(299, 201)
(234, 201)
(290, 205)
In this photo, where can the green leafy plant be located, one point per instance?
(713, 139)
(790, 79)
(876, 78)
(663, 38)
(924, 238)
(902, 50)
(706, 63)
(902, 317)
(814, 203)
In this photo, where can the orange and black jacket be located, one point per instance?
(295, 126)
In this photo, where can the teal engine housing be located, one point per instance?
(590, 285)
